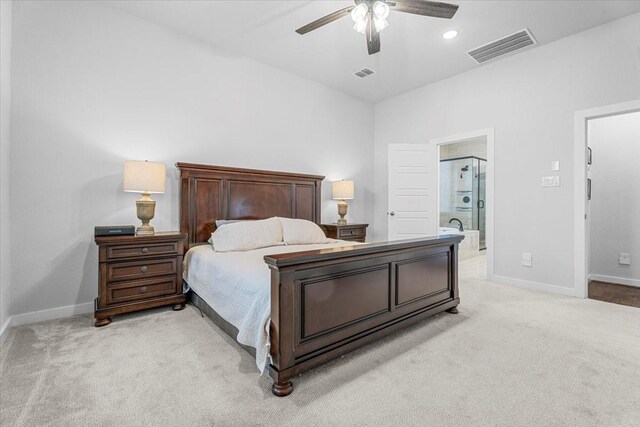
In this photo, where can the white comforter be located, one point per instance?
(237, 285)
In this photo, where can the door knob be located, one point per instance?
(392, 213)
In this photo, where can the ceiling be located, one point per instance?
(413, 51)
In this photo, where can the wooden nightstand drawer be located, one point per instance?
(140, 289)
(140, 269)
(115, 252)
(350, 232)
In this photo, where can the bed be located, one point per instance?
(322, 302)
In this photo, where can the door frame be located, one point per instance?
(581, 222)
(490, 201)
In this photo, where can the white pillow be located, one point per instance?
(247, 235)
(221, 222)
(301, 232)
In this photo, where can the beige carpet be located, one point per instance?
(511, 357)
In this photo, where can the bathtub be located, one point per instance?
(470, 246)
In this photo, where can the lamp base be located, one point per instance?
(146, 209)
(342, 211)
(145, 230)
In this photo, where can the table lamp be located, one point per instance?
(145, 178)
(342, 190)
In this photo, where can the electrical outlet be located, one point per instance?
(527, 260)
(624, 259)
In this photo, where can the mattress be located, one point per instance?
(237, 285)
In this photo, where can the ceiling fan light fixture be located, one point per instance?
(360, 25)
(359, 12)
(380, 10)
(370, 16)
(380, 23)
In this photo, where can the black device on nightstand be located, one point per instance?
(114, 230)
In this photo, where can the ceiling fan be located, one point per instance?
(370, 16)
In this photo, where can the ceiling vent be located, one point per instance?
(365, 72)
(503, 46)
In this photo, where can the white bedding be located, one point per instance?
(237, 285)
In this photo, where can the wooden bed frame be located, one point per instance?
(324, 303)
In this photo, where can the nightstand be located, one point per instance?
(352, 232)
(138, 272)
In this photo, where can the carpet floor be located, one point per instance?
(512, 357)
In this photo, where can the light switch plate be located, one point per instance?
(555, 165)
(527, 260)
(551, 181)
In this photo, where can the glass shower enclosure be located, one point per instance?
(463, 184)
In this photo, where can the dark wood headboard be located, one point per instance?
(209, 193)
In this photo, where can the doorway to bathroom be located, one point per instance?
(463, 192)
(465, 195)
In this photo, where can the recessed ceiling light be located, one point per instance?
(450, 34)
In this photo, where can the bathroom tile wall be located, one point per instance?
(473, 147)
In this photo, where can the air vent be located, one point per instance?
(365, 72)
(503, 46)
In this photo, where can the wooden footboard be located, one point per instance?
(326, 303)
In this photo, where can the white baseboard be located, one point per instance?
(4, 329)
(52, 313)
(535, 286)
(616, 280)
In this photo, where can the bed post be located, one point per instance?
(454, 276)
(282, 340)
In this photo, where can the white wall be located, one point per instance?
(5, 134)
(530, 100)
(93, 87)
(615, 203)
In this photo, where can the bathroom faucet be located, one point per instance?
(461, 228)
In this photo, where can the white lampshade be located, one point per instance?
(342, 190)
(143, 177)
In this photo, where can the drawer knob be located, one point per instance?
(144, 268)
(143, 289)
(145, 250)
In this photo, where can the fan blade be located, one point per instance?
(325, 20)
(373, 37)
(424, 8)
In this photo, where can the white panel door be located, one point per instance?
(413, 192)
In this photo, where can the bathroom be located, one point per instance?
(463, 172)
